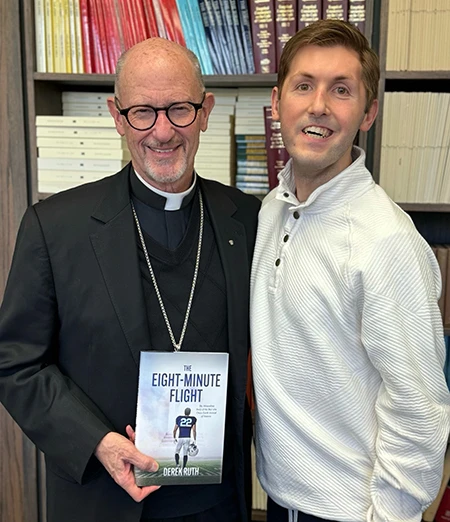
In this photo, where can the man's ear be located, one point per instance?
(208, 105)
(369, 117)
(118, 119)
(275, 104)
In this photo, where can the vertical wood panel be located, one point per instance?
(18, 480)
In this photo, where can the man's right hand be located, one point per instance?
(118, 455)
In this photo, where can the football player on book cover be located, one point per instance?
(186, 424)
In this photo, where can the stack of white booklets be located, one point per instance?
(215, 156)
(259, 496)
(78, 147)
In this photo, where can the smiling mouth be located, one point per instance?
(317, 132)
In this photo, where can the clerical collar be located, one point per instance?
(164, 200)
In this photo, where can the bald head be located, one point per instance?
(154, 53)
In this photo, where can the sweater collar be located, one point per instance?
(346, 186)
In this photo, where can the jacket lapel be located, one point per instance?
(115, 248)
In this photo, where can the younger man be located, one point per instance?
(352, 406)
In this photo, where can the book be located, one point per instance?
(86, 97)
(309, 11)
(335, 9)
(102, 153)
(244, 24)
(357, 14)
(234, 51)
(211, 37)
(83, 143)
(180, 418)
(39, 29)
(262, 19)
(70, 121)
(49, 50)
(172, 23)
(75, 132)
(285, 24)
(277, 155)
(101, 165)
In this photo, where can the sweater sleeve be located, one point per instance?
(402, 333)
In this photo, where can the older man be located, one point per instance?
(106, 270)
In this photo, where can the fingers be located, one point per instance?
(131, 433)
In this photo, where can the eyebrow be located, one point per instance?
(335, 79)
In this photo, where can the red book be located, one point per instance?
(138, 20)
(357, 14)
(262, 18)
(309, 11)
(97, 39)
(335, 9)
(285, 23)
(124, 23)
(172, 22)
(277, 155)
(114, 35)
(86, 36)
(150, 20)
(443, 512)
(159, 19)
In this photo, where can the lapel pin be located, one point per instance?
(231, 242)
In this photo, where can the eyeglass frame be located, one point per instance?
(124, 112)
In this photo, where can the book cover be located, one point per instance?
(100, 165)
(262, 16)
(309, 11)
(118, 143)
(285, 24)
(75, 132)
(277, 155)
(70, 121)
(57, 152)
(180, 418)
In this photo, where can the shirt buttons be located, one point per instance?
(286, 194)
(296, 215)
(277, 262)
(285, 238)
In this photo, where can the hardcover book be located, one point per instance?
(180, 417)
(309, 11)
(262, 14)
(277, 155)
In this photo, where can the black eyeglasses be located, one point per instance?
(143, 117)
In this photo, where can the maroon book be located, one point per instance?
(285, 23)
(262, 17)
(357, 14)
(277, 155)
(309, 11)
(335, 9)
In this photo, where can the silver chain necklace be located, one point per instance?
(176, 346)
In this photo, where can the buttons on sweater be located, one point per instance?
(296, 215)
(277, 262)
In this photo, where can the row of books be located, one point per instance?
(83, 145)
(418, 31)
(228, 36)
(415, 147)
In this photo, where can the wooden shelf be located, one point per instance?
(225, 80)
(258, 515)
(417, 75)
(425, 207)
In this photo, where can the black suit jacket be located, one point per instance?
(72, 325)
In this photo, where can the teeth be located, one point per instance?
(163, 150)
(317, 132)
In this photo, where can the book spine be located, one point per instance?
(335, 9)
(85, 18)
(56, 152)
(213, 47)
(39, 23)
(50, 51)
(66, 38)
(238, 37)
(98, 65)
(150, 20)
(159, 19)
(73, 37)
(78, 36)
(199, 35)
(277, 155)
(172, 22)
(57, 36)
(99, 165)
(309, 11)
(113, 36)
(138, 20)
(244, 23)
(285, 23)
(224, 43)
(263, 31)
(233, 50)
(124, 23)
(357, 14)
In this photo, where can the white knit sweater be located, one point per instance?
(352, 408)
